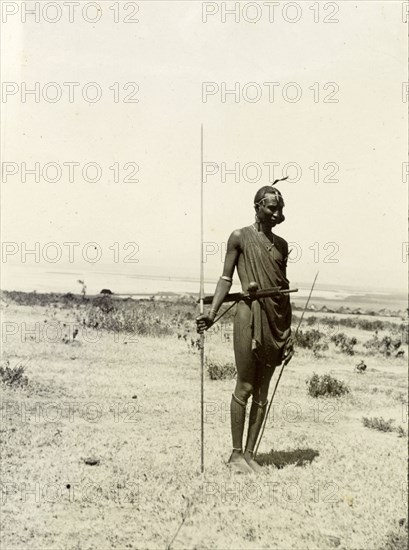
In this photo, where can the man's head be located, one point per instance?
(269, 204)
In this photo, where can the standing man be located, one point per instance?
(262, 327)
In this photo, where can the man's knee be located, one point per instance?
(260, 392)
(243, 390)
(260, 397)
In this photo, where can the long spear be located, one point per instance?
(201, 297)
(285, 362)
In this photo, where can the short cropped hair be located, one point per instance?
(268, 190)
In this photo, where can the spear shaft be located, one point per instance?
(201, 297)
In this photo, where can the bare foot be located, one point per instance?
(255, 466)
(239, 464)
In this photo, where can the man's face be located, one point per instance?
(270, 210)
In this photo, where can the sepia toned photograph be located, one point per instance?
(204, 275)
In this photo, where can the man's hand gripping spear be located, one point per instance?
(253, 293)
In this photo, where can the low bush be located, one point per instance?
(220, 371)
(308, 339)
(382, 425)
(13, 376)
(345, 344)
(387, 346)
(312, 340)
(319, 348)
(326, 386)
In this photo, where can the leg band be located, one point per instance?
(239, 401)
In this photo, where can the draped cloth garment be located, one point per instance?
(270, 317)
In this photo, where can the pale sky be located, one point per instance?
(169, 54)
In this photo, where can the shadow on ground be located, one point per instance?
(280, 459)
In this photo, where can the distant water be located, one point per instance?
(28, 278)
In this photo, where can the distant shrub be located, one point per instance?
(404, 332)
(307, 339)
(319, 348)
(13, 376)
(345, 344)
(312, 340)
(330, 321)
(322, 322)
(312, 320)
(326, 386)
(379, 424)
(220, 371)
(363, 324)
(53, 299)
(139, 317)
(387, 346)
(104, 302)
(382, 425)
(358, 322)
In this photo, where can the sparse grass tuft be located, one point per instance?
(13, 376)
(220, 371)
(326, 386)
(379, 424)
(397, 538)
(382, 425)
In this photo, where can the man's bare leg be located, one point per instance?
(238, 417)
(244, 386)
(257, 415)
(257, 412)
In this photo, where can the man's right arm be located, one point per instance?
(224, 283)
(226, 280)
